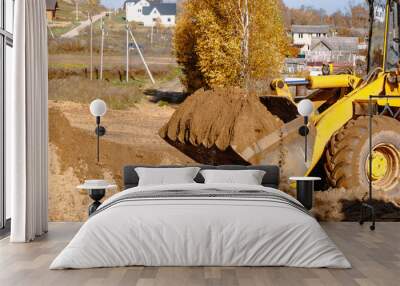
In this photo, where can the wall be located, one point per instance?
(134, 11)
(166, 20)
(305, 40)
(138, 111)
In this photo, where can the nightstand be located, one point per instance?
(96, 189)
(305, 190)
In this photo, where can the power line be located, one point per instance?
(91, 46)
(76, 10)
(102, 48)
(127, 51)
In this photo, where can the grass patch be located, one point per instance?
(173, 73)
(81, 90)
(136, 82)
(67, 66)
(58, 31)
(115, 75)
(162, 103)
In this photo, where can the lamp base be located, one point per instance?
(100, 131)
(305, 193)
(96, 195)
(368, 213)
(303, 130)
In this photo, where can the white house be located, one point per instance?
(134, 9)
(163, 12)
(150, 12)
(303, 34)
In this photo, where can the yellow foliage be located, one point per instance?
(211, 47)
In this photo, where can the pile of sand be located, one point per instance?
(217, 120)
(339, 204)
(130, 139)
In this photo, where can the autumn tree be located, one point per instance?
(356, 16)
(306, 15)
(359, 16)
(229, 43)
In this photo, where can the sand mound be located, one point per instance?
(339, 204)
(73, 153)
(218, 120)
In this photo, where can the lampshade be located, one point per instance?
(98, 107)
(305, 107)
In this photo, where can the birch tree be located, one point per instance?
(229, 43)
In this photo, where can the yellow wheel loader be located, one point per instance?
(339, 127)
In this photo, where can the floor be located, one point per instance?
(375, 257)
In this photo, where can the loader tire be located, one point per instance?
(347, 155)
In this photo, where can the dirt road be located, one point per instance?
(75, 31)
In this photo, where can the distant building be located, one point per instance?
(51, 9)
(151, 12)
(359, 32)
(303, 34)
(134, 9)
(294, 65)
(340, 50)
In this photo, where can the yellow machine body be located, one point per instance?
(352, 90)
(335, 117)
(333, 81)
(383, 80)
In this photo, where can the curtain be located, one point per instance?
(27, 123)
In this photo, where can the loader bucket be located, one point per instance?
(229, 126)
(283, 147)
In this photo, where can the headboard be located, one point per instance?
(271, 178)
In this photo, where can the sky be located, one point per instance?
(329, 5)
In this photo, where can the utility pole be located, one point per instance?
(151, 34)
(141, 56)
(51, 31)
(127, 51)
(91, 46)
(77, 10)
(102, 48)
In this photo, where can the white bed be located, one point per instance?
(267, 229)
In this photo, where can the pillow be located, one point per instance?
(247, 177)
(166, 176)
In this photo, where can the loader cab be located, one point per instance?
(384, 37)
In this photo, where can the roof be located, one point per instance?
(131, 1)
(51, 5)
(151, 2)
(345, 44)
(311, 29)
(359, 31)
(162, 8)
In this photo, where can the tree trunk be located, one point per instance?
(245, 25)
